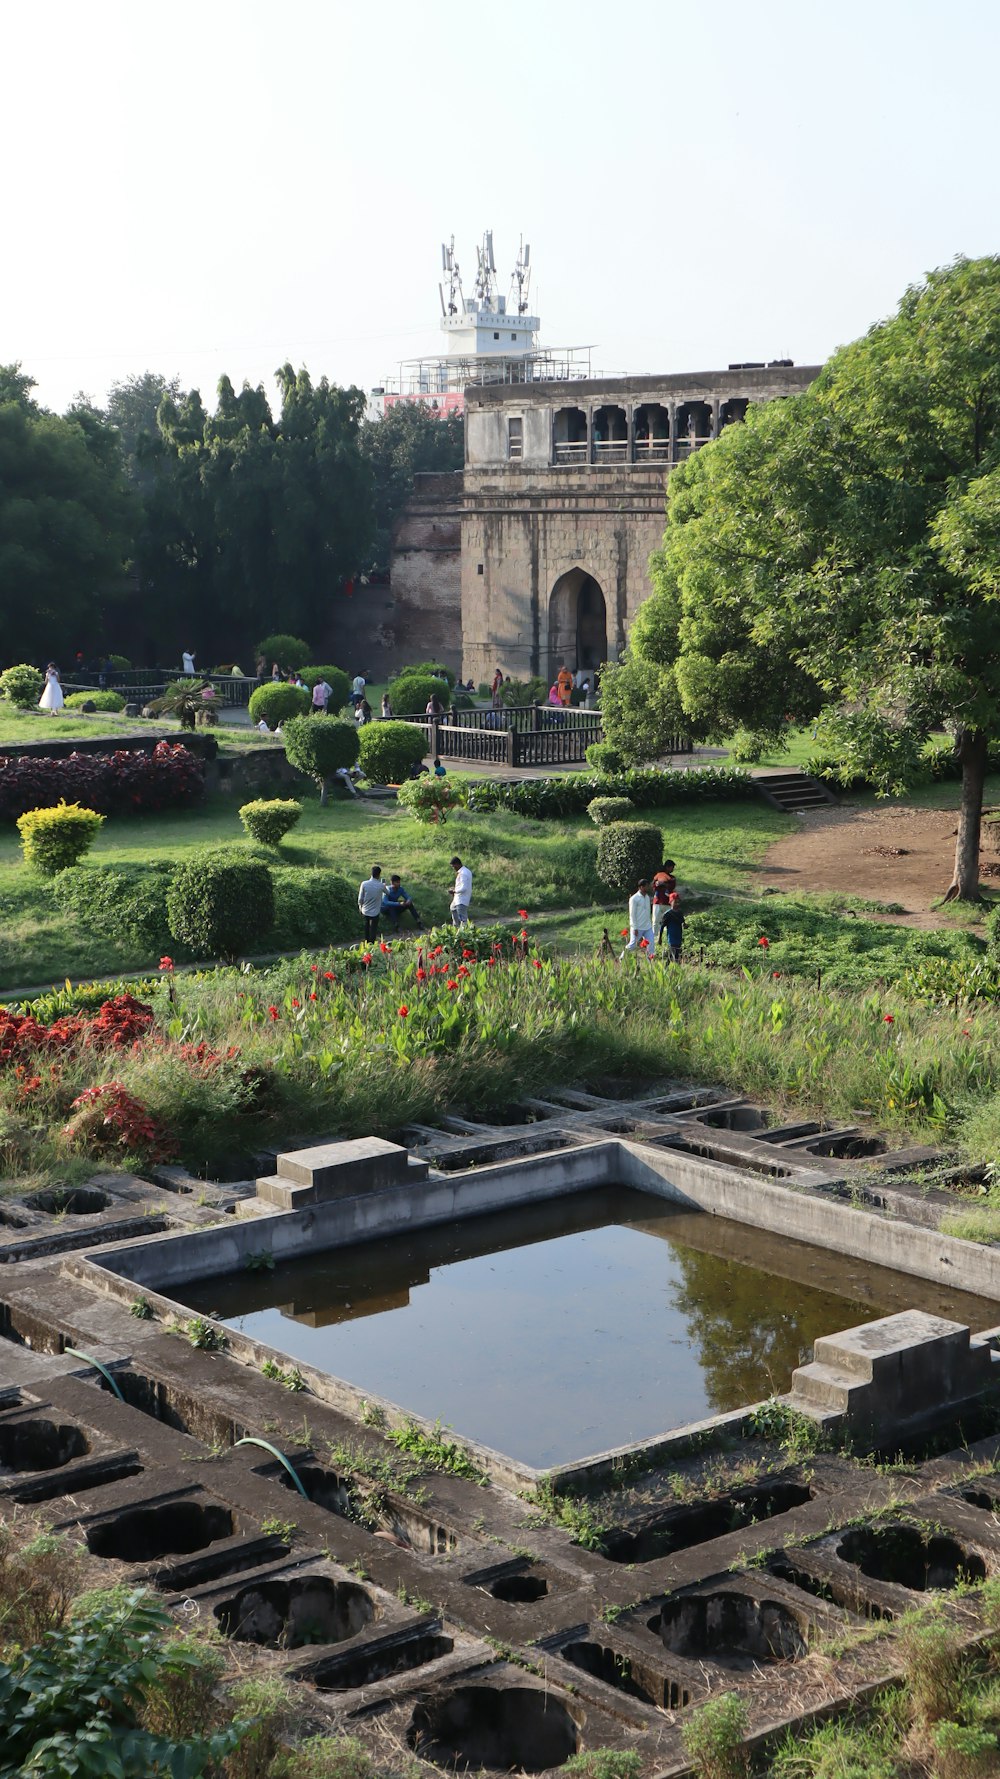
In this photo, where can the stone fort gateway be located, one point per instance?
(537, 553)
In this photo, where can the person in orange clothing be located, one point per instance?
(564, 680)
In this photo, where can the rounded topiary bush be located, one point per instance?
(119, 663)
(605, 810)
(268, 819)
(320, 746)
(437, 669)
(627, 851)
(288, 651)
(54, 839)
(411, 692)
(95, 701)
(220, 904)
(336, 679)
(389, 751)
(277, 702)
(604, 758)
(21, 685)
(747, 748)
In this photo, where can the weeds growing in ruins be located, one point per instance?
(604, 1763)
(202, 1333)
(713, 1739)
(574, 1514)
(38, 1580)
(433, 1452)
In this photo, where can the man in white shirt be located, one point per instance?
(357, 689)
(321, 697)
(370, 901)
(640, 920)
(461, 895)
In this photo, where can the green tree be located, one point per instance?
(132, 407)
(410, 439)
(842, 549)
(65, 523)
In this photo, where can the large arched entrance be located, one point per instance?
(578, 624)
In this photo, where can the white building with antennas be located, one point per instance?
(489, 337)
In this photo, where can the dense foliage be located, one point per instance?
(275, 702)
(290, 652)
(55, 839)
(412, 692)
(574, 792)
(95, 700)
(220, 905)
(21, 685)
(126, 781)
(604, 810)
(626, 852)
(389, 751)
(269, 819)
(320, 746)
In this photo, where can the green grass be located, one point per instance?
(542, 866)
(36, 725)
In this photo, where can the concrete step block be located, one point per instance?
(339, 1170)
(821, 1386)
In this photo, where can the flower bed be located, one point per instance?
(123, 782)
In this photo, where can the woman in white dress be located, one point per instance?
(52, 697)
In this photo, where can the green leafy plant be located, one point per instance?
(435, 1453)
(604, 1763)
(275, 1528)
(289, 652)
(220, 905)
(604, 757)
(325, 1757)
(276, 702)
(626, 852)
(141, 1309)
(96, 699)
(268, 819)
(21, 685)
(713, 1739)
(320, 746)
(605, 810)
(429, 799)
(261, 1260)
(202, 1333)
(55, 839)
(411, 693)
(389, 751)
(292, 1378)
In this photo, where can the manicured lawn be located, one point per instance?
(538, 865)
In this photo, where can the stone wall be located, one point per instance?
(423, 620)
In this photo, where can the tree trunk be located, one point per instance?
(964, 886)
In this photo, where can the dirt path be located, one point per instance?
(893, 854)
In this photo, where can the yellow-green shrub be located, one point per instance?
(53, 839)
(268, 819)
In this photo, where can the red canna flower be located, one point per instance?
(890, 1019)
(624, 932)
(489, 963)
(776, 974)
(328, 976)
(403, 1011)
(314, 968)
(366, 960)
(451, 983)
(643, 944)
(422, 975)
(461, 971)
(468, 954)
(166, 963)
(523, 913)
(296, 1003)
(312, 997)
(764, 942)
(274, 1013)
(537, 962)
(383, 946)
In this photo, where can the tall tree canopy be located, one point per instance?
(842, 549)
(132, 407)
(253, 520)
(409, 439)
(65, 525)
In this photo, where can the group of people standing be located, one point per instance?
(655, 916)
(378, 900)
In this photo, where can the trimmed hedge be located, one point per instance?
(336, 679)
(277, 702)
(312, 907)
(126, 902)
(605, 810)
(319, 746)
(268, 819)
(126, 781)
(411, 693)
(55, 839)
(389, 751)
(436, 669)
(220, 905)
(96, 700)
(604, 757)
(21, 685)
(626, 852)
(571, 795)
(288, 651)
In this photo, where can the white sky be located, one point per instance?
(221, 185)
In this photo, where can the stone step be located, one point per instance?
(824, 1387)
(339, 1170)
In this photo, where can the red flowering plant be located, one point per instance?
(107, 1119)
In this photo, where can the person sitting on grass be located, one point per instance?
(396, 903)
(640, 921)
(439, 770)
(673, 926)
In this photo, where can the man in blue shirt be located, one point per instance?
(396, 903)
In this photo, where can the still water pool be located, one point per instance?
(572, 1326)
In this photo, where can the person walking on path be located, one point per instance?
(664, 884)
(386, 707)
(370, 901)
(495, 689)
(461, 894)
(321, 697)
(674, 928)
(640, 921)
(564, 682)
(52, 695)
(357, 689)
